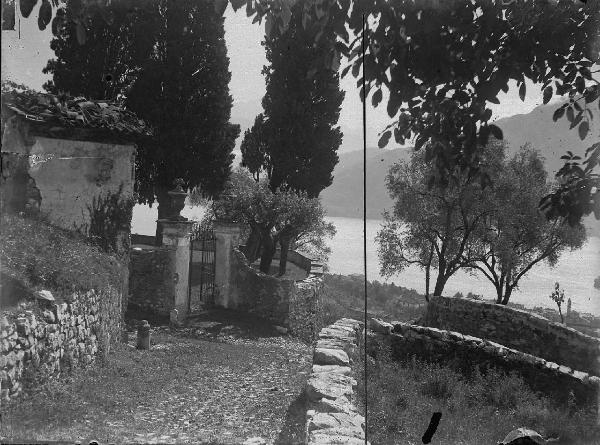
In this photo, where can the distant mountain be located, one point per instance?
(345, 196)
(553, 139)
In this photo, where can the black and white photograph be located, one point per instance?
(300, 222)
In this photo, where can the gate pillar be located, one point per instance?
(176, 238)
(227, 237)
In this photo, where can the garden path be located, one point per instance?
(219, 380)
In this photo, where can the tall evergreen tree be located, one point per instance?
(183, 91)
(111, 55)
(171, 65)
(451, 59)
(302, 106)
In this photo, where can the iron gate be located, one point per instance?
(202, 270)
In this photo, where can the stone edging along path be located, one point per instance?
(332, 417)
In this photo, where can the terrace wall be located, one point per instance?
(58, 336)
(151, 274)
(516, 329)
(285, 302)
(464, 351)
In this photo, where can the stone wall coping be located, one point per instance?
(332, 416)
(310, 280)
(402, 329)
(145, 248)
(542, 322)
(246, 264)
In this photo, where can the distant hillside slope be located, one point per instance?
(345, 196)
(553, 139)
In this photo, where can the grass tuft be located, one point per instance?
(38, 255)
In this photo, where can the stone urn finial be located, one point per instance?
(178, 195)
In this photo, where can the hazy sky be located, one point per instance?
(24, 57)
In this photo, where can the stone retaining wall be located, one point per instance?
(464, 351)
(56, 336)
(151, 274)
(291, 304)
(517, 329)
(332, 415)
(305, 316)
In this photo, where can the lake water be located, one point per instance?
(575, 270)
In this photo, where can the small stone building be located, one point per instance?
(62, 157)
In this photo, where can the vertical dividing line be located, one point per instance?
(189, 305)
(364, 116)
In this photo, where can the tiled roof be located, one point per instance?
(66, 112)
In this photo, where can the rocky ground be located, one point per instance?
(222, 379)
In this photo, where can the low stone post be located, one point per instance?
(227, 236)
(176, 237)
(143, 335)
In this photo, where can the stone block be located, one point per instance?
(10, 359)
(380, 326)
(45, 295)
(322, 438)
(332, 343)
(325, 356)
(335, 369)
(330, 386)
(339, 405)
(333, 424)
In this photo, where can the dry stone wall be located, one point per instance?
(517, 329)
(294, 305)
(151, 274)
(464, 351)
(332, 415)
(305, 317)
(57, 336)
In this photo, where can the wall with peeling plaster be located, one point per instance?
(59, 177)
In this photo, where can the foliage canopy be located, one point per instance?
(167, 61)
(496, 230)
(296, 139)
(442, 62)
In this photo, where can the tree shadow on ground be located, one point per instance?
(294, 428)
(245, 325)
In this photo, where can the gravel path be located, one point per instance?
(210, 382)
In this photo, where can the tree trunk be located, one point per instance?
(508, 287)
(428, 274)
(268, 252)
(163, 201)
(499, 294)
(562, 320)
(253, 245)
(285, 247)
(440, 282)
(507, 294)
